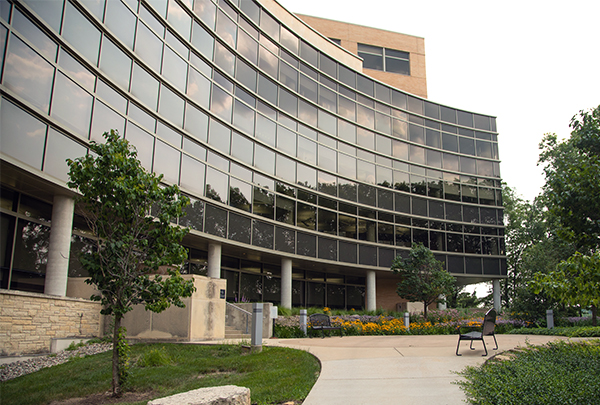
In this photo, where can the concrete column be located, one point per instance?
(497, 295)
(286, 282)
(57, 269)
(371, 291)
(214, 260)
(442, 305)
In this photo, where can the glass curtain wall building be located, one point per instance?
(288, 153)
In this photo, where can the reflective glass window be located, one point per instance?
(77, 71)
(347, 165)
(285, 168)
(264, 159)
(263, 202)
(192, 174)
(243, 117)
(220, 136)
(416, 134)
(224, 58)
(72, 105)
(306, 176)
(81, 33)
(265, 129)
(179, 19)
(149, 47)
(115, 64)
(166, 162)
(142, 117)
(194, 148)
(144, 86)
(113, 98)
(221, 103)
(152, 22)
(22, 136)
(468, 165)
(268, 62)
(33, 34)
(143, 142)
(168, 134)
(246, 75)
(306, 216)
(3, 34)
(196, 122)
(226, 29)
(171, 106)
(286, 140)
(121, 21)
(104, 120)
(174, 69)
(51, 10)
(240, 194)
(198, 88)
(242, 148)
(206, 10)
(307, 150)
(247, 46)
(194, 217)
(160, 6)
(267, 89)
(217, 185)
(203, 41)
(285, 210)
(467, 146)
(327, 158)
(28, 74)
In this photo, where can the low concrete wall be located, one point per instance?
(29, 321)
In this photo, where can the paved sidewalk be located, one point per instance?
(402, 370)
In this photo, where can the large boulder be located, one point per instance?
(224, 395)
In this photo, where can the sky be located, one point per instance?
(532, 64)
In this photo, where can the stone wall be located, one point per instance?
(29, 321)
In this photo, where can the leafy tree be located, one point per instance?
(423, 278)
(117, 196)
(575, 281)
(572, 170)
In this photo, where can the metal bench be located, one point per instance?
(487, 329)
(322, 322)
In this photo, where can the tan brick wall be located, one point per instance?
(28, 321)
(351, 34)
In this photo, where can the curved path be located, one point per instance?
(402, 370)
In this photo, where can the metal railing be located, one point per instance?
(237, 317)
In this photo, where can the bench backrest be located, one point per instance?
(489, 322)
(319, 320)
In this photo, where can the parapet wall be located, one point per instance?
(29, 321)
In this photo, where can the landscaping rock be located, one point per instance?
(224, 395)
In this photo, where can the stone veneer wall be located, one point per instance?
(29, 321)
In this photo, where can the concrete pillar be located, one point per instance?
(57, 269)
(214, 260)
(442, 305)
(497, 295)
(286, 282)
(371, 291)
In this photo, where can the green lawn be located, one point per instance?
(274, 376)
(554, 374)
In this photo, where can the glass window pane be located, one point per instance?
(28, 74)
(112, 97)
(149, 47)
(115, 63)
(221, 103)
(143, 142)
(242, 148)
(192, 175)
(144, 86)
(171, 106)
(220, 136)
(264, 159)
(203, 41)
(78, 72)
(33, 34)
(224, 58)
(217, 185)
(121, 21)
(243, 117)
(265, 129)
(240, 194)
(59, 148)
(198, 88)
(141, 117)
(166, 162)
(72, 105)
(80, 32)
(196, 122)
(29, 269)
(22, 136)
(194, 217)
(226, 29)
(51, 10)
(174, 69)
(179, 19)
(104, 120)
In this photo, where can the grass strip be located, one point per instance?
(274, 376)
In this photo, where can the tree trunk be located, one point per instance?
(116, 383)
(594, 315)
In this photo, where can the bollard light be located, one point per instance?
(407, 320)
(303, 321)
(550, 318)
(257, 330)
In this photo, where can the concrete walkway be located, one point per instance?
(402, 370)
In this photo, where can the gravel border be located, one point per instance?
(8, 371)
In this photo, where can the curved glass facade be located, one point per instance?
(281, 148)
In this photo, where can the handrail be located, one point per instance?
(230, 310)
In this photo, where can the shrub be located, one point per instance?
(557, 373)
(154, 358)
(583, 331)
(287, 332)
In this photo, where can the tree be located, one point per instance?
(116, 197)
(423, 278)
(575, 281)
(572, 171)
